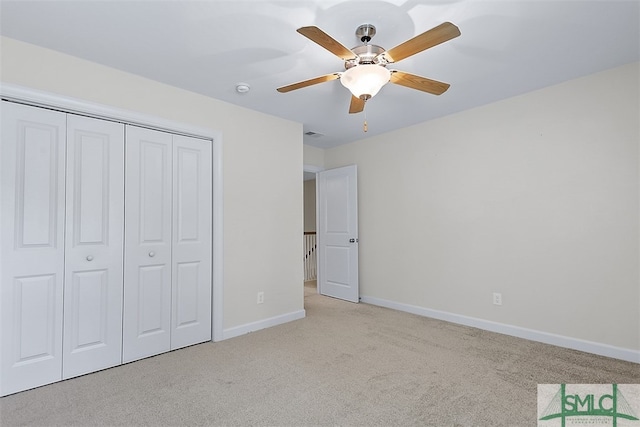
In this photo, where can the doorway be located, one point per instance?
(333, 253)
(309, 233)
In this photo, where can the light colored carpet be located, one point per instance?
(344, 364)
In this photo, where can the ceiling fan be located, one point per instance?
(365, 65)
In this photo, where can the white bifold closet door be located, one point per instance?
(167, 293)
(61, 287)
(191, 247)
(94, 245)
(31, 246)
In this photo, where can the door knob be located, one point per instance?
(89, 257)
(352, 240)
(152, 254)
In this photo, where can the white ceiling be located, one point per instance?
(506, 48)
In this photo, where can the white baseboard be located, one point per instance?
(262, 324)
(515, 331)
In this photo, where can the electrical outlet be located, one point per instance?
(260, 298)
(497, 298)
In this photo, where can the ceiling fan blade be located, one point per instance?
(417, 82)
(310, 82)
(318, 36)
(356, 106)
(433, 37)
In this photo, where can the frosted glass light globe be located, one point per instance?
(365, 81)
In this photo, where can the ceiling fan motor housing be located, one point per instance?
(367, 54)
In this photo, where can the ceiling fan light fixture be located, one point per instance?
(365, 81)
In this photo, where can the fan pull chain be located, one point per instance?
(364, 127)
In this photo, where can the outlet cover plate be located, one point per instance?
(497, 298)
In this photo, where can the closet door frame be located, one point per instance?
(38, 98)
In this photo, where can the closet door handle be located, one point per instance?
(152, 254)
(89, 257)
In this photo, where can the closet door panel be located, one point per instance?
(94, 245)
(147, 294)
(191, 294)
(31, 246)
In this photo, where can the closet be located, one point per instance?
(105, 244)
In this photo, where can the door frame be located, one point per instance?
(37, 98)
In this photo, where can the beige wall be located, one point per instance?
(310, 205)
(262, 204)
(313, 156)
(535, 197)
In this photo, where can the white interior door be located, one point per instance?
(31, 246)
(191, 259)
(94, 245)
(338, 233)
(147, 277)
